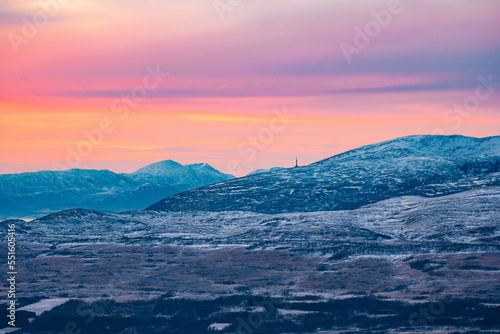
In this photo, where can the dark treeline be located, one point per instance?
(251, 314)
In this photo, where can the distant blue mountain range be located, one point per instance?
(422, 165)
(35, 194)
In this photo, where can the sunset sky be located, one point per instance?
(251, 83)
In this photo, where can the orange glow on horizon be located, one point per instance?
(215, 85)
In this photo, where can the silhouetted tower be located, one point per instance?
(296, 162)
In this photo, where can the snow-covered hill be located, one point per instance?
(403, 248)
(35, 194)
(416, 165)
(183, 177)
(260, 171)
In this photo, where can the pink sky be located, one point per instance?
(66, 78)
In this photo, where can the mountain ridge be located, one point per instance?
(423, 165)
(426, 141)
(43, 192)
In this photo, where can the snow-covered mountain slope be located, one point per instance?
(182, 177)
(260, 171)
(433, 247)
(416, 165)
(35, 194)
(416, 255)
(469, 219)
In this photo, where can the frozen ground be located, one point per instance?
(409, 250)
(44, 305)
(400, 248)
